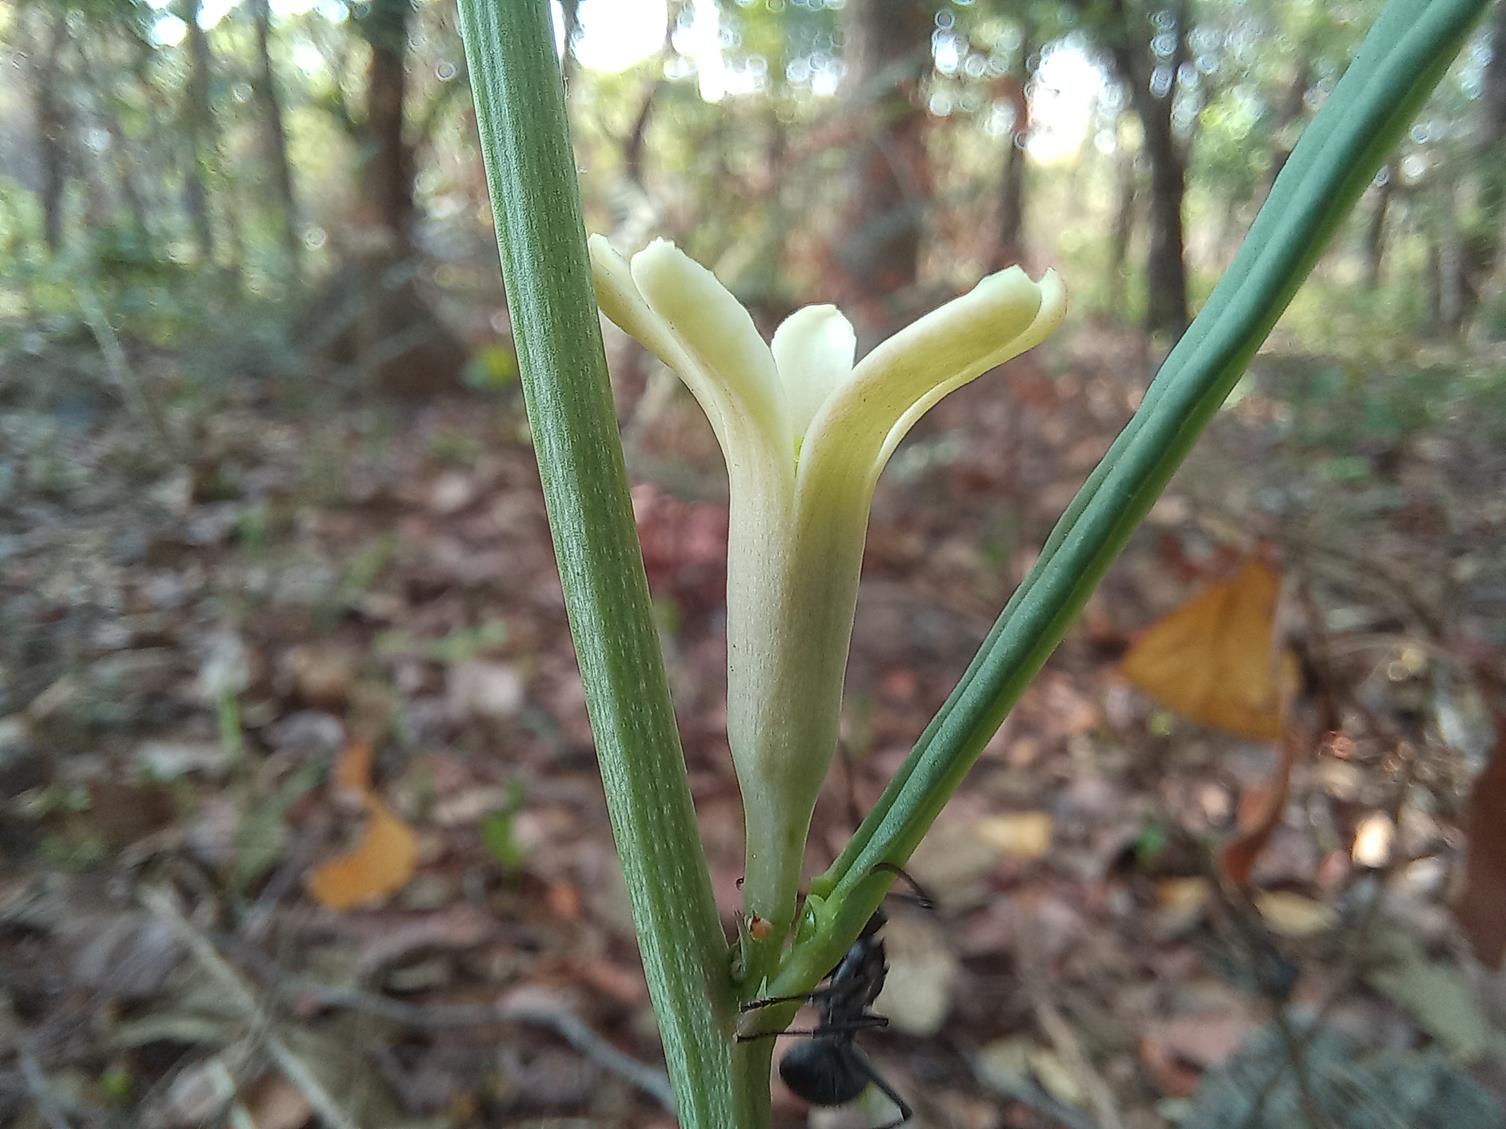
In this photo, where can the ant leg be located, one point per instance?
(861, 1023)
(813, 1032)
(922, 899)
(857, 1023)
(905, 1112)
(769, 1001)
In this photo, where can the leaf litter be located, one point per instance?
(377, 660)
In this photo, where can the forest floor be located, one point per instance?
(212, 632)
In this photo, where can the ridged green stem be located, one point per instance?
(520, 110)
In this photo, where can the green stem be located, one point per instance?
(520, 110)
(1401, 60)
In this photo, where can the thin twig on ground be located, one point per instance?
(557, 1019)
(161, 906)
(1349, 972)
(126, 378)
(1029, 1094)
(1033, 973)
(39, 1087)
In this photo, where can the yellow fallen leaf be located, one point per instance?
(1017, 835)
(1213, 659)
(1182, 895)
(380, 863)
(1292, 915)
(1055, 1076)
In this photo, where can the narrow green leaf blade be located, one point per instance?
(1401, 60)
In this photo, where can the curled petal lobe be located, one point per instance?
(1048, 316)
(895, 384)
(715, 332)
(678, 311)
(813, 349)
(617, 295)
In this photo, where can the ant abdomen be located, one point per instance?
(821, 1077)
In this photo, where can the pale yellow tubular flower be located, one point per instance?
(805, 434)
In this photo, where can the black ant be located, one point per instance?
(830, 1070)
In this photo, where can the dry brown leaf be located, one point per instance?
(1182, 895)
(351, 778)
(1056, 1077)
(1213, 659)
(1481, 905)
(1201, 1039)
(276, 1103)
(1216, 660)
(1165, 1069)
(379, 864)
(563, 899)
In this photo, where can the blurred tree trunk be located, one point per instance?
(1375, 230)
(636, 207)
(888, 56)
(1288, 113)
(125, 171)
(1435, 279)
(52, 122)
(1448, 257)
(1483, 252)
(155, 151)
(1012, 186)
(1128, 193)
(101, 81)
(387, 171)
(1150, 76)
(265, 86)
(387, 329)
(196, 130)
(635, 145)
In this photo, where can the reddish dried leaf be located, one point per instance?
(351, 777)
(1203, 1040)
(563, 899)
(1481, 906)
(1167, 1072)
(1259, 814)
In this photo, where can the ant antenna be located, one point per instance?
(917, 891)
